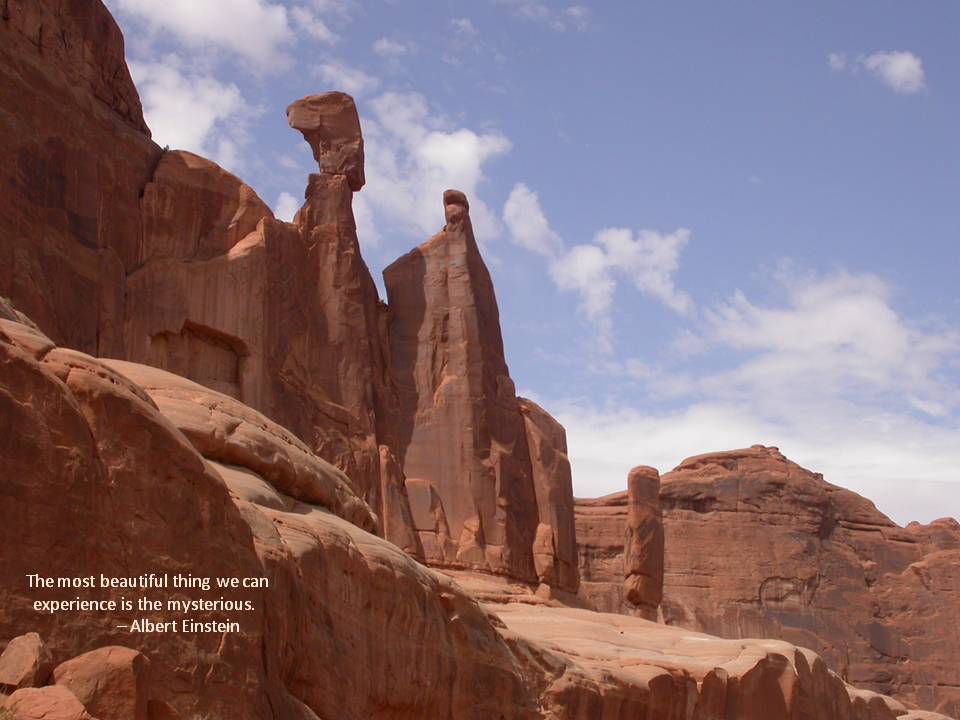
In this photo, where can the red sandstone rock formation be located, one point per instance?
(643, 548)
(621, 547)
(25, 662)
(283, 317)
(110, 465)
(756, 546)
(329, 122)
(555, 543)
(461, 429)
(112, 683)
(70, 216)
(601, 536)
(186, 269)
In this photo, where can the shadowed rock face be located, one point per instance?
(70, 216)
(620, 549)
(757, 546)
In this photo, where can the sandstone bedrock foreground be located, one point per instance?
(191, 388)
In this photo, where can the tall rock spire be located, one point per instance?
(461, 428)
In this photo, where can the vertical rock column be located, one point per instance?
(346, 382)
(460, 427)
(643, 546)
(555, 545)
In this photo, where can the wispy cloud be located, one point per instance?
(900, 70)
(256, 30)
(390, 48)
(559, 19)
(413, 154)
(193, 112)
(527, 223)
(647, 259)
(832, 374)
(346, 78)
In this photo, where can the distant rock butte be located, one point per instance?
(757, 546)
(257, 410)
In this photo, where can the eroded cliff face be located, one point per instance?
(163, 258)
(258, 411)
(70, 216)
(109, 466)
(757, 546)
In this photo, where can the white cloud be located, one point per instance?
(464, 25)
(193, 112)
(837, 61)
(388, 48)
(575, 16)
(286, 207)
(350, 80)
(839, 333)
(412, 156)
(833, 375)
(462, 40)
(254, 29)
(309, 22)
(527, 224)
(647, 259)
(877, 457)
(585, 269)
(901, 71)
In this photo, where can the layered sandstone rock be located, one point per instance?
(555, 542)
(462, 430)
(330, 123)
(621, 547)
(104, 474)
(756, 546)
(643, 548)
(112, 683)
(70, 216)
(163, 258)
(343, 626)
(25, 662)
(601, 535)
(285, 318)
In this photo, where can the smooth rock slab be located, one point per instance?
(25, 662)
(111, 682)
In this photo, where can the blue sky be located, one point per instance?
(709, 224)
